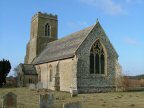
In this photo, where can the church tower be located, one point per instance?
(44, 29)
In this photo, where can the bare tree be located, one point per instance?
(16, 71)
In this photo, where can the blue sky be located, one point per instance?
(122, 20)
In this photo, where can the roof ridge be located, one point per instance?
(64, 47)
(87, 35)
(70, 35)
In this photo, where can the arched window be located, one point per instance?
(97, 59)
(50, 73)
(47, 30)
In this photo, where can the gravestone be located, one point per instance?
(73, 92)
(72, 105)
(9, 100)
(39, 85)
(46, 101)
(32, 86)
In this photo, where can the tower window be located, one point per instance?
(97, 59)
(47, 30)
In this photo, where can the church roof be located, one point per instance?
(28, 69)
(63, 48)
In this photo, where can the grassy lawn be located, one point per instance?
(30, 98)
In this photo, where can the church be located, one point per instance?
(85, 61)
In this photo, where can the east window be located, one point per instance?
(97, 59)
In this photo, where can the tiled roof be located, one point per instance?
(62, 48)
(28, 69)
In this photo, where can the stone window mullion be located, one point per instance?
(99, 63)
(94, 64)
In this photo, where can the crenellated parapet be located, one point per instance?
(44, 15)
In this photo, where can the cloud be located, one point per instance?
(135, 1)
(107, 6)
(130, 41)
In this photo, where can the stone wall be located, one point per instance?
(62, 74)
(66, 74)
(119, 77)
(43, 19)
(44, 75)
(96, 82)
(32, 50)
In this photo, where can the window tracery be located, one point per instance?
(97, 59)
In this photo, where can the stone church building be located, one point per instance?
(85, 61)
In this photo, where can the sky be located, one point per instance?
(122, 20)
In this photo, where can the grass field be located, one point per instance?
(30, 99)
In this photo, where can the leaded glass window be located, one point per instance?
(97, 59)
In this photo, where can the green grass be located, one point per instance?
(30, 98)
